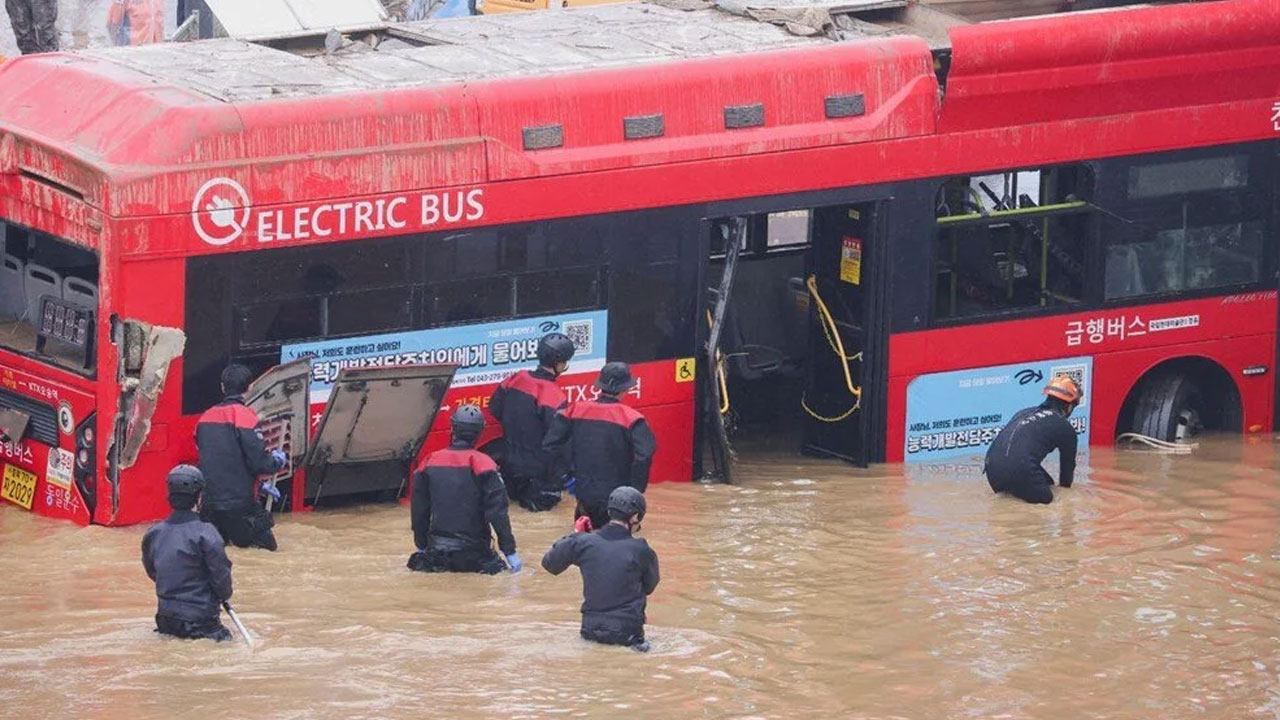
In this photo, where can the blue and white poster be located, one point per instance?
(960, 413)
(485, 353)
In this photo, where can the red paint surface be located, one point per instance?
(131, 154)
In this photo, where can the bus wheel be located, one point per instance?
(1167, 407)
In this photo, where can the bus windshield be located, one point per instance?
(48, 298)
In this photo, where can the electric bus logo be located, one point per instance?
(220, 211)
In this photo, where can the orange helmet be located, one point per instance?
(1063, 388)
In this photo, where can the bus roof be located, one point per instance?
(444, 52)
(134, 131)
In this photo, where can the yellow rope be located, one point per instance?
(832, 332)
(724, 383)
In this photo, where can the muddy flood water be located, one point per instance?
(1151, 589)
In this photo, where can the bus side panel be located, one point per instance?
(1119, 372)
(663, 396)
(1236, 331)
(142, 486)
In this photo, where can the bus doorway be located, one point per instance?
(786, 308)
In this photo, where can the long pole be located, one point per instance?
(235, 620)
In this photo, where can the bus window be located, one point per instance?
(1011, 241)
(1192, 224)
(40, 274)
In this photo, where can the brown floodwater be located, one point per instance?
(1148, 590)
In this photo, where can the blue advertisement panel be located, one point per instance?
(485, 353)
(959, 413)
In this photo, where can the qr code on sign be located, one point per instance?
(579, 332)
(1077, 373)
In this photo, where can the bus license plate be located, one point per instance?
(19, 486)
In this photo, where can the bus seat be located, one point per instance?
(80, 292)
(760, 336)
(39, 281)
(13, 297)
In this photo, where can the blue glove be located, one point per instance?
(571, 485)
(271, 490)
(514, 561)
(280, 458)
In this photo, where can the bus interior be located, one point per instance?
(790, 333)
(48, 298)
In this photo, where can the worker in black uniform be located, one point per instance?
(457, 496)
(186, 559)
(525, 404)
(1013, 461)
(618, 572)
(604, 444)
(232, 456)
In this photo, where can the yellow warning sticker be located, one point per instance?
(684, 370)
(851, 261)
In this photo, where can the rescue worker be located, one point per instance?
(604, 444)
(1013, 461)
(186, 559)
(34, 24)
(136, 22)
(457, 496)
(525, 404)
(619, 572)
(232, 456)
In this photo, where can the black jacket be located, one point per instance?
(605, 444)
(186, 559)
(618, 573)
(457, 495)
(1024, 443)
(525, 405)
(232, 454)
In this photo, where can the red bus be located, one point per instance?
(888, 239)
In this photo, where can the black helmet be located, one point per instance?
(626, 502)
(185, 480)
(467, 422)
(615, 378)
(554, 348)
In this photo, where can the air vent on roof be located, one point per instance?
(843, 106)
(638, 127)
(744, 116)
(543, 137)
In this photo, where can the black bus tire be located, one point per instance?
(1162, 400)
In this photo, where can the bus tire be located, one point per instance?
(1167, 407)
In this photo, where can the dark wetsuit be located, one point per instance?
(232, 456)
(457, 496)
(1013, 462)
(525, 404)
(606, 445)
(186, 559)
(618, 573)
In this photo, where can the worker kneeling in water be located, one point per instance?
(618, 572)
(1013, 462)
(457, 495)
(185, 556)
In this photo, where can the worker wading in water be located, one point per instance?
(232, 456)
(619, 572)
(186, 559)
(1014, 460)
(525, 404)
(604, 444)
(457, 496)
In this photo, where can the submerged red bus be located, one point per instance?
(889, 240)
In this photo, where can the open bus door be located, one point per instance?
(280, 397)
(368, 436)
(836, 423)
(715, 397)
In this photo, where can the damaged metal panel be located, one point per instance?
(146, 352)
(274, 17)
